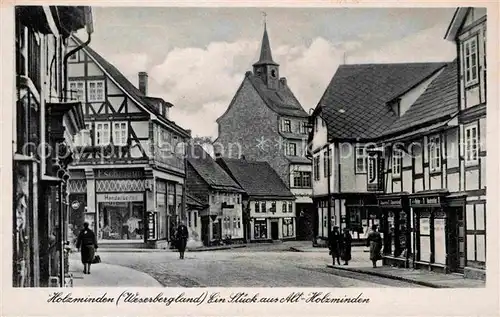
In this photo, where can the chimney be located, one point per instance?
(283, 81)
(143, 83)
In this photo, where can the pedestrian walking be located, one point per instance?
(182, 237)
(374, 241)
(87, 243)
(335, 244)
(346, 246)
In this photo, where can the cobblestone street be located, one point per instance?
(256, 266)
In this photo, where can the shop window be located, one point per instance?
(434, 146)
(425, 239)
(287, 228)
(120, 132)
(260, 229)
(95, 90)
(476, 232)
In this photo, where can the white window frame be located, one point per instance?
(74, 90)
(102, 124)
(96, 82)
(119, 125)
(473, 61)
(397, 162)
(361, 154)
(434, 148)
(471, 158)
(288, 147)
(284, 126)
(303, 128)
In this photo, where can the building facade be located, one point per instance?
(210, 185)
(128, 179)
(265, 122)
(268, 204)
(468, 30)
(345, 128)
(425, 168)
(46, 119)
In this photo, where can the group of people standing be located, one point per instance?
(340, 245)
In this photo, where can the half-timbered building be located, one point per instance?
(468, 30)
(45, 120)
(424, 156)
(128, 179)
(358, 106)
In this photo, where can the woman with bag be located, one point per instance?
(88, 243)
(374, 241)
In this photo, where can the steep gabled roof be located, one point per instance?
(257, 178)
(143, 101)
(439, 101)
(281, 100)
(354, 103)
(209, 170)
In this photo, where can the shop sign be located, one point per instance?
(425, 201)
(121, 197)
(75, 204)
(390, 202)
(425, 226)
(151, 221)
(119, 173)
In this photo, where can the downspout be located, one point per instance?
(65, 63)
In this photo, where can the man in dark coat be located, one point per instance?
(346, 246)
(88, 243)
(335, 244)
(374, 241)
(182, 237)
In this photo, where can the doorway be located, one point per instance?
(274, 230)
(459, 239)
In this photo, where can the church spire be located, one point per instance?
(266, 57)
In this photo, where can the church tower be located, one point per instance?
(266, 68)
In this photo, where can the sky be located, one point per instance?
(196, 58)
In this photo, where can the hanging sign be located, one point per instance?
(75, 204)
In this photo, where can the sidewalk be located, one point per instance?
(108, 275)
(420, 276)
